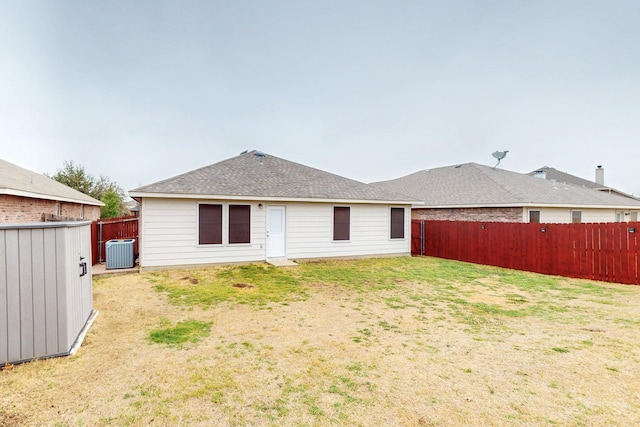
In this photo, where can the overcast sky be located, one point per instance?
(141, 91)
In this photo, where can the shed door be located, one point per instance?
(275, 232)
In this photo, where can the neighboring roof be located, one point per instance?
(132, 205)
(474, 185)
(17, 181)
(258, 176)
(554, 174)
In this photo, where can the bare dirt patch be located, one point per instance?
(242, 286)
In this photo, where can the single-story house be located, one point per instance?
(257, 207)
(27, 196)
(473, 192)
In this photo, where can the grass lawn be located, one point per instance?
(376, 342)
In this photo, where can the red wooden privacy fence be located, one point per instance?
(605, 251)
(103, 230)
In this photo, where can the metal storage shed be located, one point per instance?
(46, 296)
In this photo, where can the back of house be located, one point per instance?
(255, 207)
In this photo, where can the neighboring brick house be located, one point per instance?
(26, 196)
(473, 192)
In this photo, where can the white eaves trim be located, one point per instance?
(19, 193)
(268, 199)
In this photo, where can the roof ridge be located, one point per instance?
(243, 176)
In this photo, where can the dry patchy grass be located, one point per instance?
(406, 341)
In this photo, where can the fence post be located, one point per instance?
(100, 242)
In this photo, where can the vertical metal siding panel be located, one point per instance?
(37, 273)
(72, 287)
(74, 282)
(64, 334)
(51, 290)
(4, 324)
(13, 295)
(81, 238)
(26, 294)
(87, 285)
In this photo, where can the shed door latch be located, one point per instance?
(83, 267)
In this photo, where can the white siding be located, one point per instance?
(170, 235)
(310, 231)
(169, 229)
(563, 215)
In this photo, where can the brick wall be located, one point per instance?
(17, 209)
(469, 214)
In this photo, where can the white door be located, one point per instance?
(275, 232)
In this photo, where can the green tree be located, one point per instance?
(111, 206)
(76, 176)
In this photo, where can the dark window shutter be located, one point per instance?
(239, 224)
(397, 223)
(341, 223)
(210, 224)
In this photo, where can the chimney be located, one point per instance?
(600, 175)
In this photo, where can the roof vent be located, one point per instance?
(260, 155)
(540, 173)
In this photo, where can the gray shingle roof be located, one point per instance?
(554, 174)
(17, 181)
(472, 184)
(251, 175)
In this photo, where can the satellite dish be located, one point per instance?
(499, 155)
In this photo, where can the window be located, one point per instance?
(534, 216)
(81, 211)
(58, 209)
(397, 223)
(633, 216)
(576, 217)
(619, 216)
(341, 222)
(210, 224)
(239, 224)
